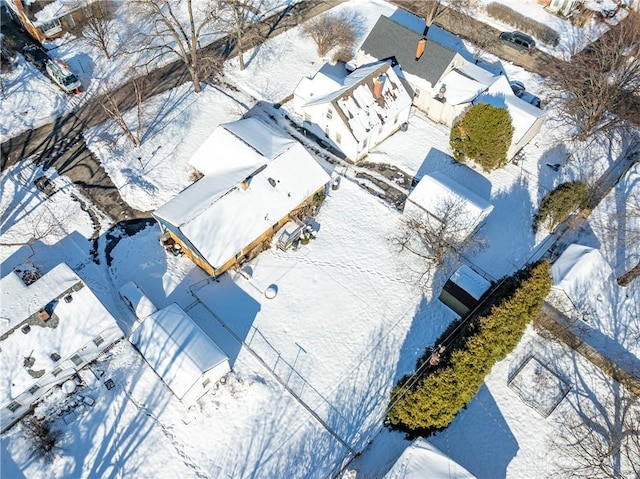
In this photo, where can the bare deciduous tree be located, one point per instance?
(35, 226)
(99, 30)
(174, 35)
(599, 440)
(43, 439)
(628, 232)
(334, 30)
(438, 238)
(237, 18)
(596, 87)
(114, 109)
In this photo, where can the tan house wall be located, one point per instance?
(211, 271)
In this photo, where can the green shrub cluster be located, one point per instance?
(434, 400)
(509, 16)
(558, 204)
(483, 134)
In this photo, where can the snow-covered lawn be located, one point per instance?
(176, 123)
(346, 323)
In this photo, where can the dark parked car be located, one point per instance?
(36, 55)
(519, 40)
(519, 90)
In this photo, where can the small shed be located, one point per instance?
(181, 353)
(463, 290)
(423, 460)
(435, 192)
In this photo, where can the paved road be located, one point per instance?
(79, 164)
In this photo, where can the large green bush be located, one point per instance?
(434, 400)
(483, 134)
(558, 204)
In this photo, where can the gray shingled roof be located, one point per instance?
(388, 38)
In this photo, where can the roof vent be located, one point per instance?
(272, 182)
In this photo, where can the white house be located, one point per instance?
(422, 460)
(51, 328)
(437, 195)
(424, 61)
(526, 118)
(355, 110)
(255, 180)
(188, 361)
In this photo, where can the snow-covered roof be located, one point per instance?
(422, 460)
(355, 98)
(460, 88)
(470, 281)
(142, 306)
(523, 114)
(220, 217)
(576, 267)
(222, 154)
(478, 74)
(436, 190)
(176, 348)
(58, 9)
(20, 301)
(73, 324)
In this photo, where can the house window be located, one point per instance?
(329, 114)
(307, 117)
(338, 138)
(98, 340)
(70, 21)
(51, 27)
(13, 406)
(76, 359)
(33, 389)
(417, 93)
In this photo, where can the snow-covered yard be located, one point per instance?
(347, 321)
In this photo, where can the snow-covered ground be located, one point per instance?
(346, 323)
(129, 57)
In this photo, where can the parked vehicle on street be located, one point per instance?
(519, 40)
(63, 76)
(36, 55)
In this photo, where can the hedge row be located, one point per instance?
(435, 399)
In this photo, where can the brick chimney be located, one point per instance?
(378, 82)
(422, 44)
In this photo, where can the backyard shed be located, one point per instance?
(423, 460)
(463, 290)
(181, 353)
(437, 192)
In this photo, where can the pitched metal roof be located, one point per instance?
(389, 38)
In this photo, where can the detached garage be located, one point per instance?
(182, 354)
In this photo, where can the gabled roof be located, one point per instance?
(220, 217)
(355, 101)
(577, 267)
(391, 39)
(74, 322)
(176, 348)
(523, 114)
(423, 460)
(436, 189)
